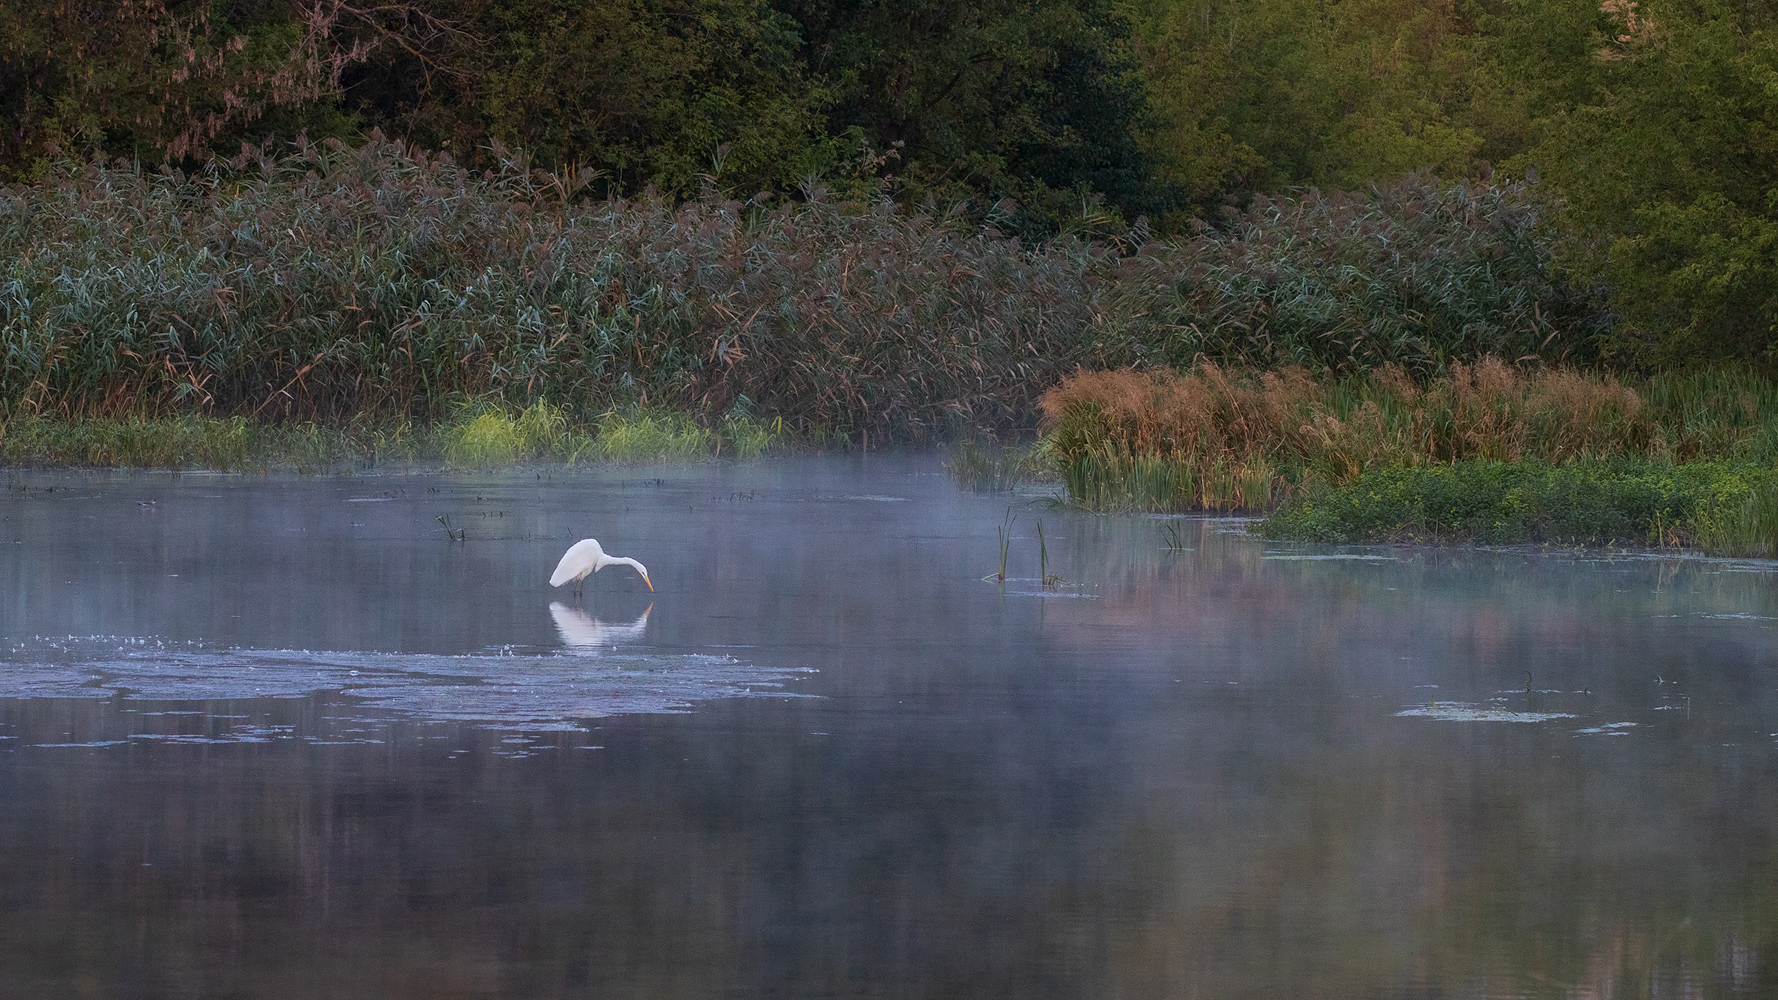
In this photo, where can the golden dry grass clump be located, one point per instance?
(1221, 438)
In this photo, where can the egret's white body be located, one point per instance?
(585, 557)
(581, 631)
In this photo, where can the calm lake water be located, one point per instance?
(281, 738)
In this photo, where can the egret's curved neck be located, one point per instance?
(623, 561)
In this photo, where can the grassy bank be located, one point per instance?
(1728, 508)
(381, 284)
(1220, 438)
(481, 434)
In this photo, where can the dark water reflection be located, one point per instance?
(1182, 774)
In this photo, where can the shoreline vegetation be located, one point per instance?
(1334, 361)
(1488, 453)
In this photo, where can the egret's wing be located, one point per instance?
(579, 560)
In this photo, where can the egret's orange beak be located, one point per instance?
(650, 584)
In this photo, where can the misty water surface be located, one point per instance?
(281, 737)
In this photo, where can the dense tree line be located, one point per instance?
(1653, 124)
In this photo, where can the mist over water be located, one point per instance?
(283, 737)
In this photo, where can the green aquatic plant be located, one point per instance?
(486, 433)
(454, 534)
(746, 437)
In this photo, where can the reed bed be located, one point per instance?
(1223, 438)
(380, 284)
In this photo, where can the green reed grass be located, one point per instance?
(383, 284)
(1005, 530)
(1045, 578)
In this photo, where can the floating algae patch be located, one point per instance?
(538, 690)
(1471, 713)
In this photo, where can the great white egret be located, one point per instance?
(584, 557)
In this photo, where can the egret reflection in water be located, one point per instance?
(581, 631)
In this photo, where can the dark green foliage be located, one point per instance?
(162, 80)
(1658, 123)
(1508, 503)
(1264, 94)
(986, 99)
(647, 92)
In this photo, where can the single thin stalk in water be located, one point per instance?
(1044, 576)
(1005, 542)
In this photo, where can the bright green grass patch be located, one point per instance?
(487, 434)
(1725, 507)
(669, 435)
(649, 436)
